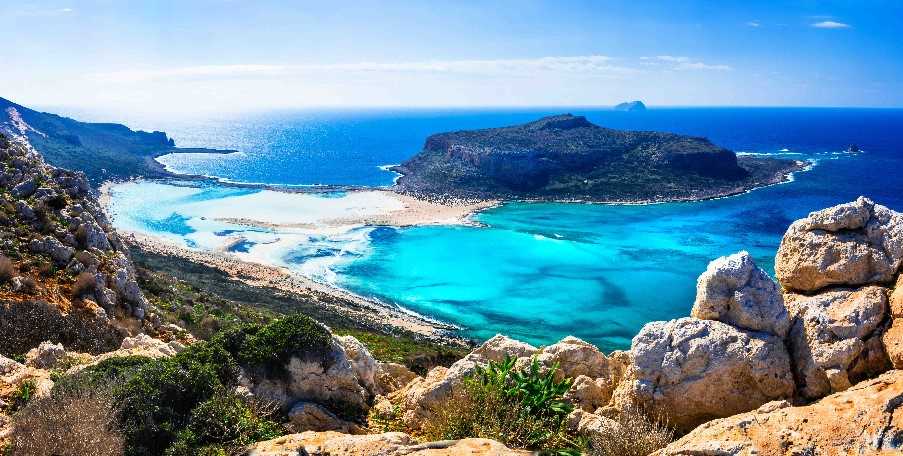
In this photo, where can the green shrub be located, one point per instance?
(520, 408)
(270, 347)
(226, 422)
(23, 395)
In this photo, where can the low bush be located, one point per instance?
(23, 395)
(72, 421)
(639, 434)
(226, 422)
(183, 406)
(270, 347)
(520, 408)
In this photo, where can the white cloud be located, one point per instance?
(830, 25)
(591, 65)
(682, 63)
(753, 24)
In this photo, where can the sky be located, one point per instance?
(196, 56)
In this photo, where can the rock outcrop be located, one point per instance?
(850, 244)
(343, 378)
(866, 419)
(696, 370)
(70, 281)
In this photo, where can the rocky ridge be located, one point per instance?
(65, 275)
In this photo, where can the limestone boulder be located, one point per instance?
(589, 394)
(388, 444)
(850, 244)
(865, 419)
(309, 416)
(697, 370)
(331, 379)
(391, 377)
(735, 291)
(834, 340)
(576, 357)
(45, 356)
(364, 364)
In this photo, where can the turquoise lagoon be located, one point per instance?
(534, 271)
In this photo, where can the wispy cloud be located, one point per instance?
(593, 65)
(754, 24)
(42, 12)
(682, 63)
(830, 25)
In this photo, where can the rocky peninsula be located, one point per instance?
(567, 158)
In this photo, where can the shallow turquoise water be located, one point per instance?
(542, 271)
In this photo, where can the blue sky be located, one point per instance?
(221, 55)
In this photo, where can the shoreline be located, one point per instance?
(345, 303)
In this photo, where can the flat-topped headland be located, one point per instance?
(567, 158)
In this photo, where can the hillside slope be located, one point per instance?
(567, 157)
(101, 150)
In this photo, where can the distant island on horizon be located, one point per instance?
(567, 158)
(635, 105)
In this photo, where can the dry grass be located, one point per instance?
(84, 284)
(72, 421)
(7, 269)
(639, 434)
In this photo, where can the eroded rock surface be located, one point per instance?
(834, 341)
(697, 370)
(388, 444)
(866, 419)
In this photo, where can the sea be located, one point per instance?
(533, 271)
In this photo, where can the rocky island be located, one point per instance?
(567, 158)
(635, 105)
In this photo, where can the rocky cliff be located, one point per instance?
(567, 157)
(64, 276)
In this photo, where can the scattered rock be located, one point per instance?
(735, 291)
(865, 419)
(697, 370)
(850, 244)
(45, 356)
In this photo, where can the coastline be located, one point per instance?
(416, 210)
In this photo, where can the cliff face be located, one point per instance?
(567, 157)
(64, 276)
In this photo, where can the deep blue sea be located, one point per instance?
(537, 271)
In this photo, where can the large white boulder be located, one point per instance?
(697, 370)
(735, 291)
(850, 244)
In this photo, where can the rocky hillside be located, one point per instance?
(63, 274)
(567, 157)
(102, 150)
